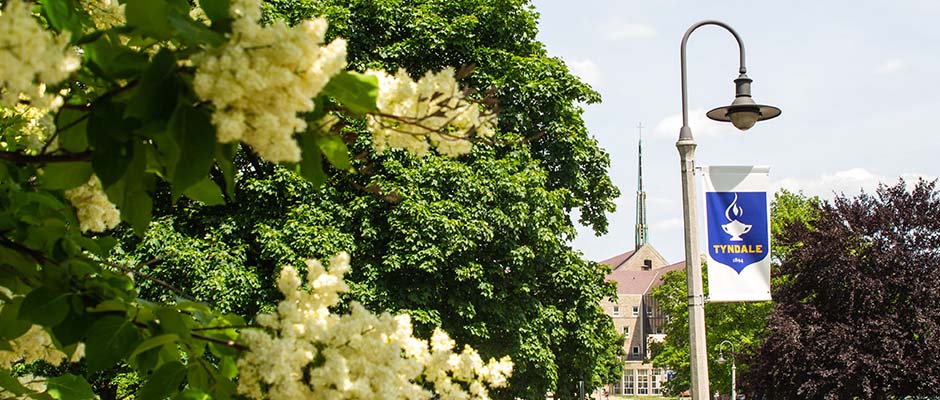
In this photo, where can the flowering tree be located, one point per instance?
(106, 104)
(476, 245)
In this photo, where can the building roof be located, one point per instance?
(615, 261)
(640, 282)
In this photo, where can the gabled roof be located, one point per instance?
(617, 260)
(640, 282)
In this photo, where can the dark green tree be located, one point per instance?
(476, 245)
(859, 316)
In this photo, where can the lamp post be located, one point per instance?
(721, 360)
(743, 113)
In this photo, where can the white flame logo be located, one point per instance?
(735, 227)
(733, 208)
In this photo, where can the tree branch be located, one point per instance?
(228, 343)
(158, 281)
(19, 158)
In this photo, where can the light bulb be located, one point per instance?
(744, 120)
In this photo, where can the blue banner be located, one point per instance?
(737, 232)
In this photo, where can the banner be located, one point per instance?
(737, 230)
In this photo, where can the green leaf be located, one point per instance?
(206, 191)
(155, 341)
(225, 160)
(194, 33)
(141, 211)
(173, 321)
(69, 387)
(164, 381)
(58, 176)
(195, 136)
(197, 376)
(72, 330)
(193, 394)
(311, 163)
(64, 15)
(150, 17)
(216, 10)
(112, 152)
(45, 306)
(158, 90)
(114, 59)
(334, 149)
(110, 306)
(109, 341)
(355, 91)
(227, 368)
(11, 384)
(11, 326)
(74, 138)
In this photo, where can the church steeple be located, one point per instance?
(642, 230)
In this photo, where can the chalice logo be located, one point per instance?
(735, 227)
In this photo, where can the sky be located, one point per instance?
(857, 82)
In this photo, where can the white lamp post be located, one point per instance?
(743, 113)
(721, 360)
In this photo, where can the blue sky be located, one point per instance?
(857, 82)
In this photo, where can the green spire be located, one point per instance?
(642, 230)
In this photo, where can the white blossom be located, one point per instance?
(31, 58)
(95, 212)
(430, 112)
(34, 345)
(314, 353)
(264, 77)
(32, 127)
(105, 14)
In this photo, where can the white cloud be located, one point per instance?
(891, 66)
(667, 225)
(588, 71)
(617, 29)
(702, 127)
(850, 182)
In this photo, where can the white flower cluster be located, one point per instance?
(33, 345)
(432, 109)
(317, 354)
(31, 58)
(263, 77)
(95, 212)
(105, 14)
(32, 126)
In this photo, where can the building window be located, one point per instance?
(647, 264)
(616, 311)
(626, 330)
(649, 311)
(636, 350)
(636, 311)
(642, 382)
(628, 381)
(655, 381)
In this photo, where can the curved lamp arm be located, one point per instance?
(685, 133)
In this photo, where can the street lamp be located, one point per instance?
(721, 360)
(743, 113)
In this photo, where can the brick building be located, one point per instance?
(637, 316)
(635, 313)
